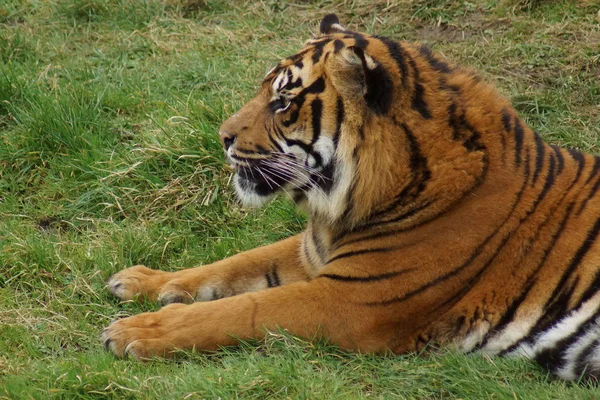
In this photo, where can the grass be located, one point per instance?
(109, 157)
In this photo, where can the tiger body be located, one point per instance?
(437, 217)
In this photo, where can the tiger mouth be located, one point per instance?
(262, 181)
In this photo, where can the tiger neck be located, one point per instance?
(391, 190)
(409, 171)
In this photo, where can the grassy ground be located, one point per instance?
(109, 157)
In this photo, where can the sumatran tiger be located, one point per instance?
(436, 216)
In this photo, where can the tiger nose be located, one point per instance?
(227, 138)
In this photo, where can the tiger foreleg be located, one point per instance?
(312, 310)
(269, 266)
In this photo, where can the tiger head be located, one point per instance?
(332, 126)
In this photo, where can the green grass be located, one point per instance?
(109, 157)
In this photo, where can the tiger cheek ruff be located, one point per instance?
(437, 217)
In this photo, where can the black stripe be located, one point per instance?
(269, 282)
(278, 131)
(290, 76)
(361, 252)
(338, 45)
(304, 146)
(273, 141)
(261, 150)
(418, 99)
(519, 135)
(316, 108)
(293, 84)
(281, 83)
(275, 277)
(540, 148)
(370, 278)
(359, 40)
(318, 86)
(547, 185)
(380, 88)
(317, 53)
(592, 288)
(405, 215)
(397, 53)
(436, 64)
(318, 159)
(506, 120)
(293, 118)
(453, 122)
(507, 128)
(339, 118)
(474, 279)
(590, 195)
(417, 160)
(559, 158)
(594, 170)
(325, 178)
(503, 144)
(472, 143)
(447, 276)
(580, 159)
(459, 124)
(318, 49)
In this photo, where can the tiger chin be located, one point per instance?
(436, 218)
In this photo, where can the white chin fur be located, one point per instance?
(248, 197)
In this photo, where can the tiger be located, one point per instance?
(436, 218)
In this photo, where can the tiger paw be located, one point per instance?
(138, 281)
(167, 287)
(147, 335)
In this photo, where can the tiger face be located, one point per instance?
(290, 137)
(284, 139)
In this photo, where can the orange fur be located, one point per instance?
(456, 223)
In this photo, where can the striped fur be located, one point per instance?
(437, 216)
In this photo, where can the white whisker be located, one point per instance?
(293, 162)
(290, 174)
(265, 178)
(287, 175)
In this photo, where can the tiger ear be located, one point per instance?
(330, 24)
(348, 72)
(356, 76)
